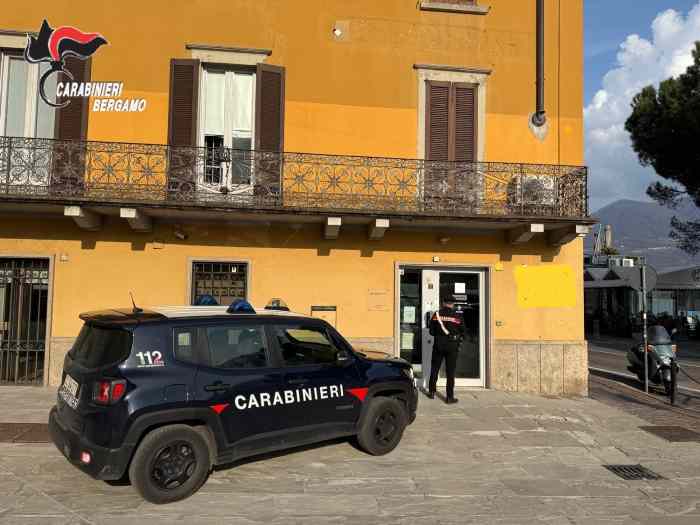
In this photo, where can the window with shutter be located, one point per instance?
(450, 121)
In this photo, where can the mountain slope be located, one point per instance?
(642, 228)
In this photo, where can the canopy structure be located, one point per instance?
(619, 277)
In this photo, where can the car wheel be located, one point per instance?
(383, 426)
(170, 464)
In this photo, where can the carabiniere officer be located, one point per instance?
(447, 328)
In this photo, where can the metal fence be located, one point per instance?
(111, 172)
(23, 306)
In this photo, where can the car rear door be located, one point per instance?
(235, 377)
(326, 401)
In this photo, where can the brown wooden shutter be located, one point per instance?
(464, 122)
(71, 121)
(182, 128)
(70, 129)
(184, 91)
(437, 121)
(450, 122)
(269, 133)
(269, 108)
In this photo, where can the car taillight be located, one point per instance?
(108, 392)
(650, 348)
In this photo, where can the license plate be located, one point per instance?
(69, 391)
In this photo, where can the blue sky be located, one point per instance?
(608, 22)
(629, 44)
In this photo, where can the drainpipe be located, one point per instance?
(539, 118)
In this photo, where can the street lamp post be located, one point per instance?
(644, 324)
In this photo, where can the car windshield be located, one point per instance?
(98, 346)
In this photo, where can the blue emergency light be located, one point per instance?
(240, 306)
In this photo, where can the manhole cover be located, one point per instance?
(24, 433)
(633, 472)
(674, 434)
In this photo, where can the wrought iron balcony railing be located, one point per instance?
(158, 175)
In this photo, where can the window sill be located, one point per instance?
(448, 7)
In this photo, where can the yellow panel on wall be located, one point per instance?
(550, 286)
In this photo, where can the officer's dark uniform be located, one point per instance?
(446, 346)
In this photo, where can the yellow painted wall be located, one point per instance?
(351, 273)
(357, 95)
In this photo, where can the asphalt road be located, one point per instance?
(612, 356)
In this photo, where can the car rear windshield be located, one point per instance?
(99, 346)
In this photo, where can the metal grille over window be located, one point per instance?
(24, 285)
(225, 281)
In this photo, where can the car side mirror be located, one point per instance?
(342, 357)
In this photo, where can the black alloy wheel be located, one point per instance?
(174, 464)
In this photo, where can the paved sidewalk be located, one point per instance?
(495, 458)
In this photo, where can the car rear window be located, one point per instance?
(98, 346)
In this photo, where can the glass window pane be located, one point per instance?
(304, 345)
(184, 344)
(241, 162)
(214, 101)
(45, 113)
(236, 346)
(16, 97)
(212, 165)
(242, 103)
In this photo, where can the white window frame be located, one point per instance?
(30, 110)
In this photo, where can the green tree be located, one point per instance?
(665, 131)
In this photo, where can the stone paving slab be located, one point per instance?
(495, 458)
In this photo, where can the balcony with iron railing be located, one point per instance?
(145, 175)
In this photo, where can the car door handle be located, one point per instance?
(298, 381)
(217, 387)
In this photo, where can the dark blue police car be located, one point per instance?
(162, 395)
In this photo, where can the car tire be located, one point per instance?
(170, 464)
(382, 426)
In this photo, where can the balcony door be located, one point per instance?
(22, 112)
(227, 130)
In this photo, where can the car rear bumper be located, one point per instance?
(105, 463)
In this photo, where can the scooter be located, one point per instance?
(661, 358)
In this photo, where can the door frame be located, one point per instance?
(487, 270)
(48, 350)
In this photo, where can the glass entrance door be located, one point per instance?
(422, 292)
(465, 289)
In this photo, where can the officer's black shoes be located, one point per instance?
(431, 395)
(451, 400)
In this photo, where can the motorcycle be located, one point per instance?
(661, 355)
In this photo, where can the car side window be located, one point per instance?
(184, 339)
(236, 346)
(304, 345)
